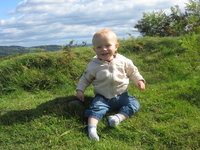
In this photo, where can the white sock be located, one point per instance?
(114, 120)
(92, 132)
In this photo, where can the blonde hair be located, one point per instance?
(103, 32)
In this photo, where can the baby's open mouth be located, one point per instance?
(104, 54)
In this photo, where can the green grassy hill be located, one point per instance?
(36, 90)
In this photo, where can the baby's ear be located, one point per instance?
(116, 45)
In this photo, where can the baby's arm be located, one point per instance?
(80, 95)
(85, 80)
(134, 75)
(82, 85)
(141, 85)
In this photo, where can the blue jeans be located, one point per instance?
(124, 104)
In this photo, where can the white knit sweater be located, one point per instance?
(109, 78)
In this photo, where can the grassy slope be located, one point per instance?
(37, 88)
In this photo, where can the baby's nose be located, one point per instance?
(104, 48)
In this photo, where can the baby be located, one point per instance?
(109, 72)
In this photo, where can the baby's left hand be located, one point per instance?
(141, 85)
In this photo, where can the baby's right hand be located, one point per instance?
(80, 95)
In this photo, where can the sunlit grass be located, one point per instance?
(39, 116)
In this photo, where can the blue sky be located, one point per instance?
(6, 6)
(42, 22)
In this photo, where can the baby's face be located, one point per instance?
(105, 46)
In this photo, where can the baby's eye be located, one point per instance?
(108, 45)
(99, 47)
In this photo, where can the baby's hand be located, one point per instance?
(80, 95)
(141, 85)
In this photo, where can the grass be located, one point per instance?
(36, 90)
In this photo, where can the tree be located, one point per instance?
(177, 22)
(193, 14)
(174, 24)
(153, 24)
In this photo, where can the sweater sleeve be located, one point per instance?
(85, 80)
(132, 72)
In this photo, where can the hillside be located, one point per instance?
(10, 50)
(36, 90)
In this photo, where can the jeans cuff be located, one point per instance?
(125, 114)
(96, 116)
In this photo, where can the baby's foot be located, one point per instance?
(92, 132)
(113, 120)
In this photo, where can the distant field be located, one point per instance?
(11, 50)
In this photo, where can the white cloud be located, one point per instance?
(56, 22)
